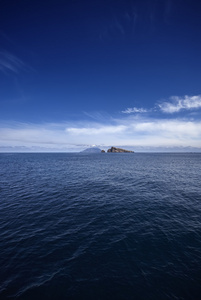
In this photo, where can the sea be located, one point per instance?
(100, 226)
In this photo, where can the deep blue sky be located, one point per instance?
(85, 63)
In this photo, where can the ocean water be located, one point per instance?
(100, 226)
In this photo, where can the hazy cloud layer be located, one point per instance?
(96, 130)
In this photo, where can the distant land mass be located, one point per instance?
(118, 150)
(92, 150)
(112, 150)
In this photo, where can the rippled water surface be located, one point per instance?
(100, 226)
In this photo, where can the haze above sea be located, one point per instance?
(100, 226)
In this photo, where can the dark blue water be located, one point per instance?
(100, 226)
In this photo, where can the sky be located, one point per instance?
(82, 73)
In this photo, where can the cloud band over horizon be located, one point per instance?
(135, 130)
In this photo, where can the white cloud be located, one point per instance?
(134, 110)
(178, 104)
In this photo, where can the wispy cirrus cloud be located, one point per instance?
(177, 104)
(134, 110)
(10, 63)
